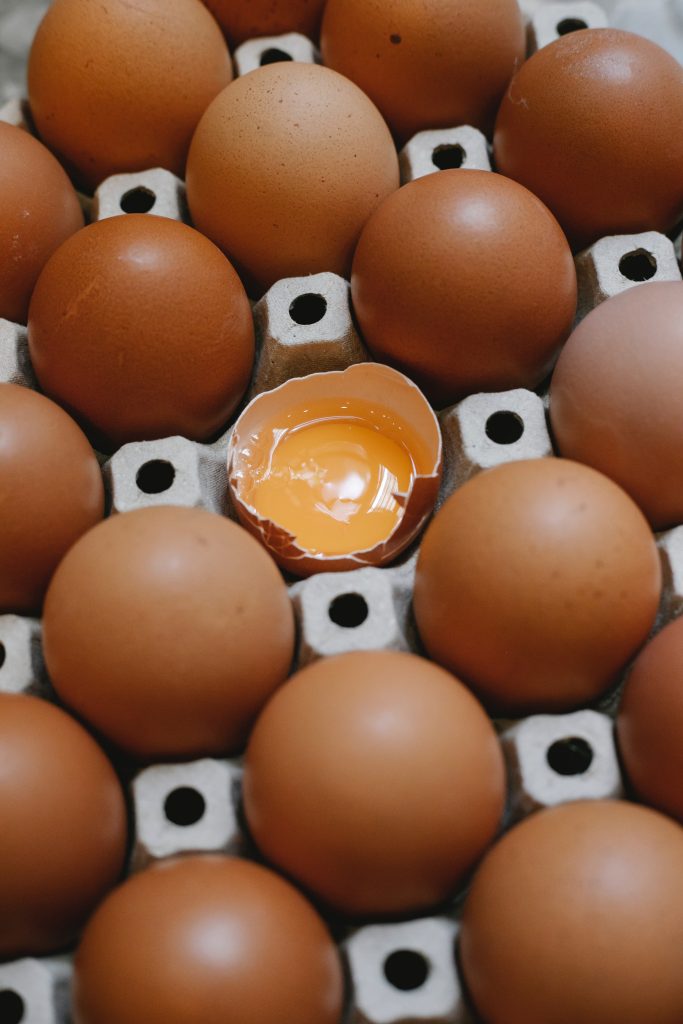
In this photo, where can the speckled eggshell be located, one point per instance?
(427, 63)
(119, 86)
(536, 582)
(207, 939)
(615, 396)
(167, 629)
(248, 19)
(375, 780)
(63, 827)
(39, 210)
(650, 722)
(591, 124)
(464, 281)
(576, 915)
(142, 329)
(285, 168)
(51, 492)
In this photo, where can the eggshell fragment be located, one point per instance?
(576, 915)
(247, 19)
(387, 401)
(536, 582)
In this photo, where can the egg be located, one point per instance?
(64, 827)
(650, 722)
(285, 167)
(591, 124)
(52, 493)
(207, 938)
(39, 210)
(142, 329)
(118, 86)
(152, 635)
(247, 19)
(615, 396)
(576, 915)
(442, 291)
(427, 63)
(376, 781)
(536, 582)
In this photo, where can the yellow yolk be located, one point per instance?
(332, 485)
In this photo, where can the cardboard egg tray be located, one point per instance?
(398, 972)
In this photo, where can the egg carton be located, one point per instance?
(255, 53)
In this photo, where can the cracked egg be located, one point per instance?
(338, 470)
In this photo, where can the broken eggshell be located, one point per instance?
(404, 414)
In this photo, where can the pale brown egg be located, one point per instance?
(248, 19)
(536, 582)
(427, 63)
(285, 168)
(119, 86)
(576, 916)
(376, 780)
(39, 210)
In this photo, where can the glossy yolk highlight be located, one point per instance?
(332, 485)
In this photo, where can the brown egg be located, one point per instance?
(120, 86)
(39, 209)
(63, 827)
(285, 168)
(142, 329)
(591, 124)
(51, 492)
(167, 629)
(536, 582)
(577, 915)
(616, 393)
(207, 939)
(650, 722)
(375, 780)
(441, 291)
(427, 63)
(247, 19)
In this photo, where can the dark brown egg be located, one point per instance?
(248, 19)
(616, 394)
(51, 492)
(140, 327)
(536, 582)
(591, 124)
(167, 629)
(464, 281)
(39, 209)
(375, 780)
(63, 827)
(285, 168)
(120, 86)
(427, 63)
(576, 915)
(650, 722)
(207, 939)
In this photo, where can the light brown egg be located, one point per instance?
(39, 209)
(616, 393)
(591, 124)
(375, 780)
(207, 938)
(576, 915)
(427, 63)
(51, 492)
(118, 86)
(248, 19)
(167, 629)
(285, 168)
(650, 722)
(464, 281)
(63, 823)
(536, 582)
(142, 329)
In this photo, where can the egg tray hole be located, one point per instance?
(449, 156)
(638, 266)
(348, 611)
(569, 25)
(12, 1007)
(273, 55)
(184, 806)
(137, 200)
(406, 970)
(570, 756)
(154, 477)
